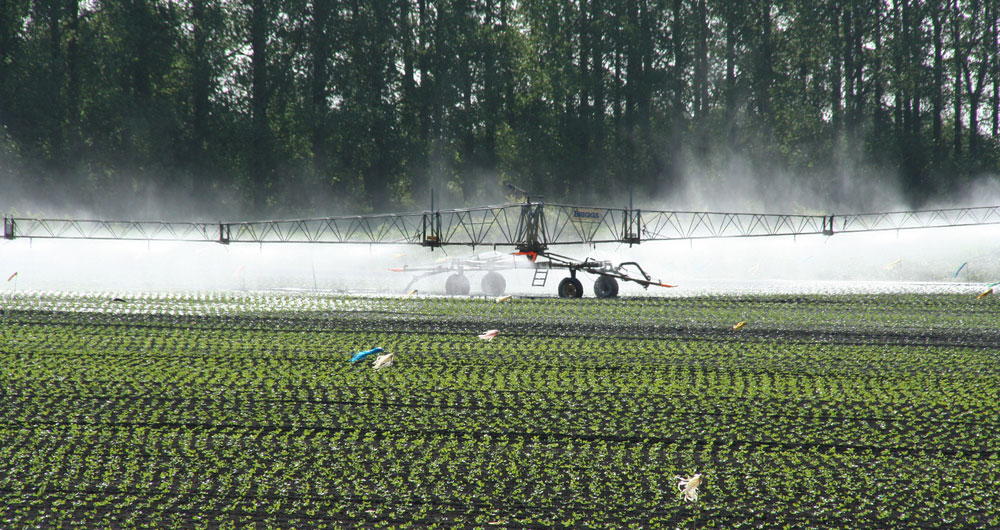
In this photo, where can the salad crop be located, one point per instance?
(229, 410)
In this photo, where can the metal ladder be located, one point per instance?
(540, 276)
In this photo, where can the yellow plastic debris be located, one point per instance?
(739, 324)
(984, 293)
(504, 298)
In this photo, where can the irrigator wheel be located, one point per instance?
(570, 288)
(457, 285)
(493, 283)
(606, 287)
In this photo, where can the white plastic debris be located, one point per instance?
(689, 486)
(383, 361)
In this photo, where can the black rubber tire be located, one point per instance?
(570, 288)
(493, 283)
(605, 287)
(457, 285)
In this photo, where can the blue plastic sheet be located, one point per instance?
(361, 355)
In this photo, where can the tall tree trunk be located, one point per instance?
(645, 68)
(616, 93)
(857, 93)
(701, 66)
(8, 40)
(469, 163)
(974, 87)
(878, 77)
(764, 75)
(597, 76)
(700, 84)
(732, 20)
(654, 163)
(260, 143)
(849, 70)
(424, 94)
(836, 73)
(915, 55)
(974, 96)
(995, 54)
(680, 62)
(959, 60)
(200, 78)
(937, 85)
(584, 110)
(73, 67)
(898, 66)
(139, 26)
(319, 77)
(379, 24)
(491, 84)
(632, 65)
(55, 83)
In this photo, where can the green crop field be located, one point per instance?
(235, 410)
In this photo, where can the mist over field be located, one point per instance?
(782, 263)
(843, 261)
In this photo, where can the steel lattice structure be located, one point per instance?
(530, 226)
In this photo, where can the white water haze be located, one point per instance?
(879, 260)
(853, 261)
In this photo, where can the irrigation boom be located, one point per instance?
(531, 228)
(527, 227)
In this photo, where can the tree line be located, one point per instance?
(306, 106)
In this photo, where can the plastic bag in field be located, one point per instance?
(383, 361)
(361, 355)
(689, 486)
(488, 335)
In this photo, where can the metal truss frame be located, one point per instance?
(529, 227)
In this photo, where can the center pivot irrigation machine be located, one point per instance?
(530, 229)
(532, 236)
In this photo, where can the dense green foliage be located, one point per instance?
(303, 107)
(224, 410)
